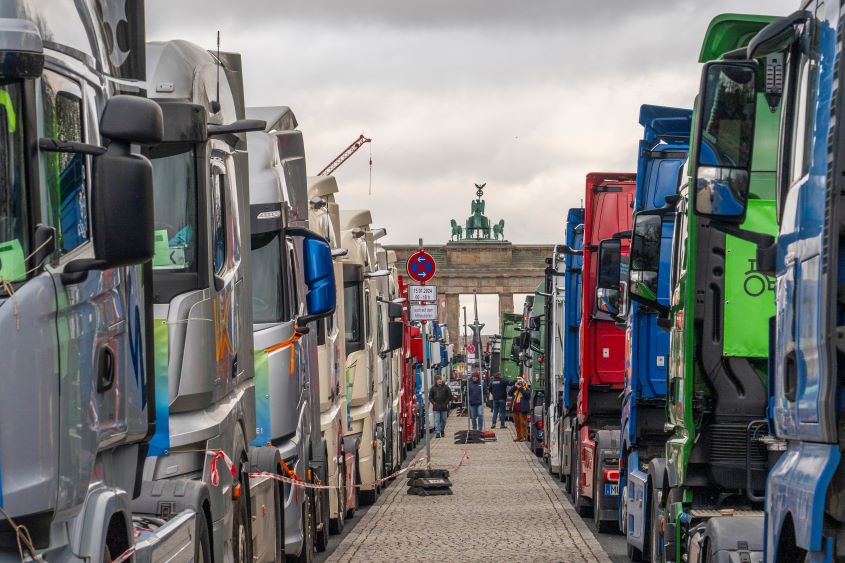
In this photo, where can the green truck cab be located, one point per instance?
(717, 457)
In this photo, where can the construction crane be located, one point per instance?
(344, 156)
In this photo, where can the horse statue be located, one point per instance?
(499, 229)
(457, 231)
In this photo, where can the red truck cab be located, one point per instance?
(607, 219)
(412, 350)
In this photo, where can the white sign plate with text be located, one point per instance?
(426, 312)
(422, 293)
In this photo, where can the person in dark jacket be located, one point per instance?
(475, 400)
(440, 397)
(499, 391)
(521, 406)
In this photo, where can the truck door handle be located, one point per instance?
(790, 374)
(105, 370)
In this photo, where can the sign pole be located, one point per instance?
(426, 381)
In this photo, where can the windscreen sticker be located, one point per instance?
(12, 261)
(749, 293)
(160, 443)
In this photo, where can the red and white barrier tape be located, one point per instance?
(217, 455)
(297, 482)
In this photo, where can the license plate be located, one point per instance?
(611, 489)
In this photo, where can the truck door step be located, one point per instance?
(716, 512)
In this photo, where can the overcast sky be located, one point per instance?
(527, 96)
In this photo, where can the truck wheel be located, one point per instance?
(573, 468)
(306, 554)
(321, 508)
(336, 524)
(634, 554)
(241, 536)
(202, 553)
(655, 543)
(603, 526)
(581, 506)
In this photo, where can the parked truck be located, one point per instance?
(412, 358)
(567, 328)
(324, 219)
(389, 337)
(289, 385)
(537, 332)
(76, 303)
(607, 216)
(708, 490)
(662, 154)
(362, 361)
(804, 517)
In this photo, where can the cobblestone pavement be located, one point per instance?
(505, 507)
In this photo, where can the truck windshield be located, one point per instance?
(267, 306)
(353, 312)
(175, 182)
(12, 188)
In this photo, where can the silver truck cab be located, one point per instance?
(324, 218)
(205, 394)
(287, 378)
(362, 362)
(75, 303)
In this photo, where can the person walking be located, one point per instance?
(520, 406)
(475, 400)
(499, 391)
(440, 397)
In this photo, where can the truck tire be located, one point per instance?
(241, 535)
(320, 499)
(573, 468)
(336, 525)
(655, 539)
(581, 506)
(306, 554)
(603, 526)
(634, 554)
(202, 553)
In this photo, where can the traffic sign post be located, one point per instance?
(422, 293)
(421, 266)
(422, 311)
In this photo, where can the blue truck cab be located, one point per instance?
(662, 154)
(805, 490)
(570, 321)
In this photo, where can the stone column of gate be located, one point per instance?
(505, 306)
(453, 319)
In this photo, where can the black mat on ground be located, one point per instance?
(429, 482)
(469, 437)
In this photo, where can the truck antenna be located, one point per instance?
(215, 105)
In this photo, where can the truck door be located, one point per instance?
(225, 254)
(95, 351)
(804, 379)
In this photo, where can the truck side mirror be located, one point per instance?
(21, 49)
(122, 211)
(608, 289)
(644, 260)
(318, 271)
(394, 310)
(725, 140)
(395, 330)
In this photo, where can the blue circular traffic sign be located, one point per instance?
(421, 266)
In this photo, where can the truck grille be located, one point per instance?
(728, 445)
